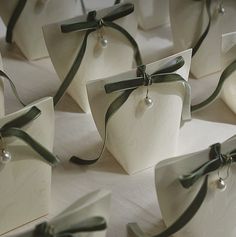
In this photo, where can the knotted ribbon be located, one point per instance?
(216, 161)
(13, 129)
(92, 24)
(88, 225)
(165, 75)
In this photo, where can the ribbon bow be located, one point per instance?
(12, 129)
(165, 75)
(92, 24)
(88, 225)
(216, 161)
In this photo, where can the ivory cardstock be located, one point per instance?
(98, 62)
(25, 181)
(188, 21)
(152, 13)
(138, 136)
(216, 215)
(2, 109)
(28, 33)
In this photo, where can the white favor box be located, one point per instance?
(97, 62)
(25, 181)
(152, 13)
(96, 203)
(216, 215)
(139, 137)
(28, 33)
(2, 109)
(188, 21)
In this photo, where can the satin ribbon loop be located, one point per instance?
(216, 161)
(13, 129)
(141, 72)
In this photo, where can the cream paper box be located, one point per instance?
(25, 181)
(2, 109)
(138, 136)
(188, 22)
(28, 33)
(98, 62)
(152, 13)
(93, 205)
(215, 216)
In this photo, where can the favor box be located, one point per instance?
(97, 62)
(27, 32)
(139, 136)
(189, 20)
(25, 181)
(215, 217)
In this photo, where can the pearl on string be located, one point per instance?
(5, 156)
(148, 102)
(221, 9)
(103, 42)
(221, 184)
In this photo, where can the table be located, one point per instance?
(133, 197)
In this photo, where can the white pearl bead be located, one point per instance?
(221, 10)
(103, 42)
(5, 157)
(148, 102)
(221, 184)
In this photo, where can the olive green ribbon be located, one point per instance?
(13, 129)
(13, 87)
(91, 224)
(206, 31)
(14, 18)
(165, 75)
(224, 76)
(216, 161)
(92, 24)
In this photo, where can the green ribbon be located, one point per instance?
(91, 224)
(224, 76)
(13, 129)
(92, 24)
(206, 31)
(14, 18)
(13, 87)
(216, 161)
(165, 75)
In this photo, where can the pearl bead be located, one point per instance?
(5, 157)
(221, 184)
(103, 42)
(221, 10)
(148, 102)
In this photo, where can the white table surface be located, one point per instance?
(133, 197)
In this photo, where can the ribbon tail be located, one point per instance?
(70, 76)
(188, 214)
(112, 109)
(203, 36)
(43, 152)
(138, 58)
(226, 73)
(14, 18)
(13, 87)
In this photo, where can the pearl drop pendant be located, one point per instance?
(221, 9)
(148, 102)
(5, 156)
(103, 42)
(221, 184)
